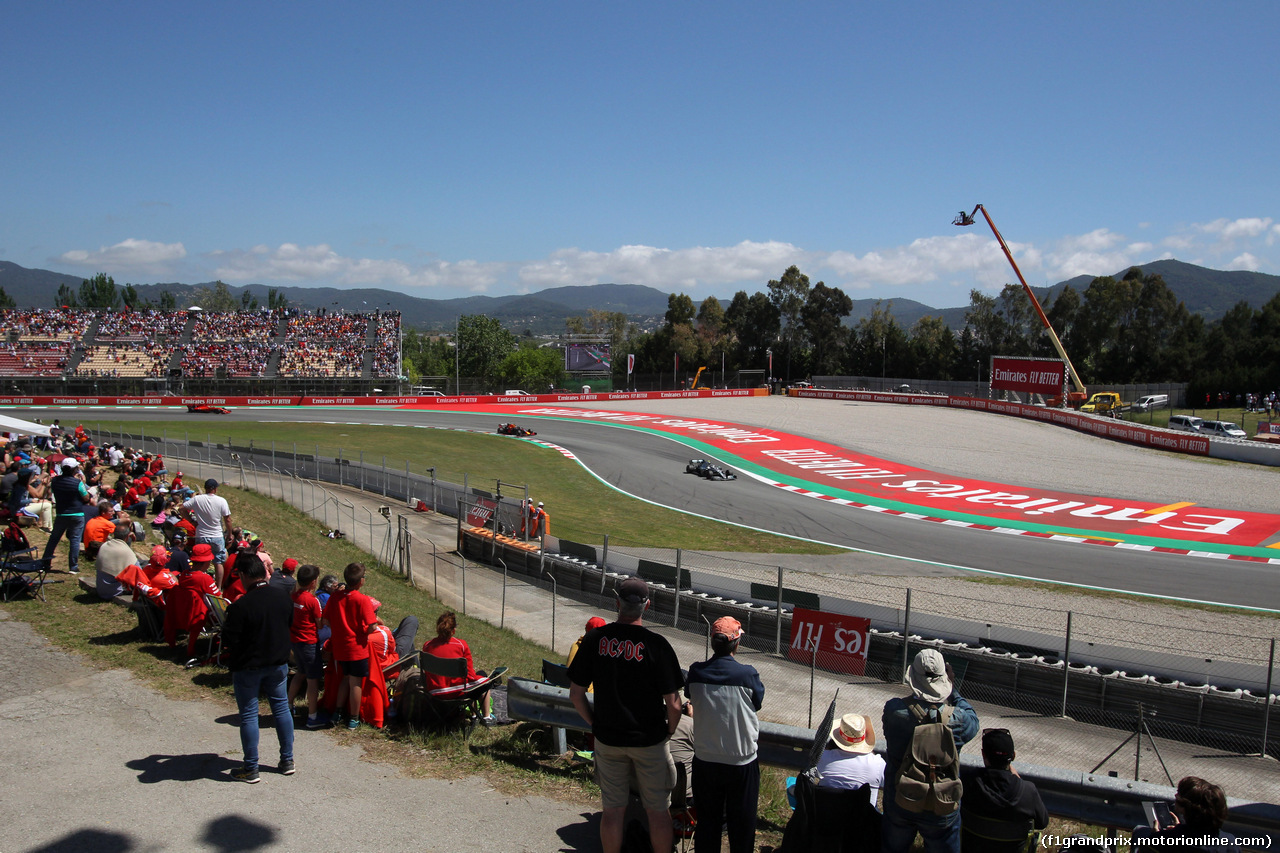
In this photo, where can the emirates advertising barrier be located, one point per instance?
(1043, 376)
(841, 641)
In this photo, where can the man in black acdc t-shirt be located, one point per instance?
(637, 706)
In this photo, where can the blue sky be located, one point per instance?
(444, 149)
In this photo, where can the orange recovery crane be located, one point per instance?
(1079, 395)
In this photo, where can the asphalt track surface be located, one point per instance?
(652, 468)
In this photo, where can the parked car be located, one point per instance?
(1151, 402)
(1186, 423)
(1223, 429)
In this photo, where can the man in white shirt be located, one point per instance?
(212, 516)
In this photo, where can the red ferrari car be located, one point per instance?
(206, 409)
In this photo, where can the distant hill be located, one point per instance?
(1208, 292)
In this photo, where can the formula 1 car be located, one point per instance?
(516, 430)
(206, 409)
(703, 468)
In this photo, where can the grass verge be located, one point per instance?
(582, 508)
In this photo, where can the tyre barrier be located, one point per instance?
(1208, 715)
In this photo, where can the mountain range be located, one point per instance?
(1208, 292)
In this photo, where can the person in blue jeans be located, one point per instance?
(256, 634)
(69, 498)
(931, 685)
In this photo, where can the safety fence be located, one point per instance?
(1113, 664)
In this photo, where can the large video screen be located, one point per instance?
(588, 358)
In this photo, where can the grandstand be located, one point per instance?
(285, 351)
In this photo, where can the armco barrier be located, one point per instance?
(1023, 681)
(1097, 800)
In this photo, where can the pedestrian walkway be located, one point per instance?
(535, 614)
(96, 762)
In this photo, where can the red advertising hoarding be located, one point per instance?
(841, 641)
(1044, 376)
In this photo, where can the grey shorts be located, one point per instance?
(649, 769)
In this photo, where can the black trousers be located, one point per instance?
(725, 792)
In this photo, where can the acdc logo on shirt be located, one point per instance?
(625, 649)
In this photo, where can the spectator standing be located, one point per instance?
(726, 695)
(69, 496)
(351, 617)
(1000, 809)
(931, 691)
(257, 637)
(637, 683)
(212, 515)
(306, 645)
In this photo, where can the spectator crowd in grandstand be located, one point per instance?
(285, 343)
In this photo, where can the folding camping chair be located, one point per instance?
(460, 705)
(211, 630)
(21, 571)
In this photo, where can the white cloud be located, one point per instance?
(320, 263)
(1139, 248)
(1245, 261)
(1235, 229)
(132, 256)
(664, 268)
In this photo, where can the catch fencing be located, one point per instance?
(1156, 678)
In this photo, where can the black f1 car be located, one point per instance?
(206, 409)
(515, 429)
(703, 468)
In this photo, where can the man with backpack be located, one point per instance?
(924, 733)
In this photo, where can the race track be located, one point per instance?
(651, 467)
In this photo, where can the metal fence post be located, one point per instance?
(502, 618)
(1066, 665)
(384, 476)
(407, 496)
(1266, 712)
(362, 470)
(604, 558)
(906, 633)
(777, 629)
(675, 618)
(339, 466)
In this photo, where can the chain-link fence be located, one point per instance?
(1112, 664)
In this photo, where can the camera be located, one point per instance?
(385, 512)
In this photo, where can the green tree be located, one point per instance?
(99, 292)
(533, 367)
(130, 298)
(823, 311)
(680, 310)
(6, 301)
(879, 346)
(248, 302)
(216, 298)
(65, 297)
(933, 349)
(276, 299)
(168, 302)
(483, 344)
(788, 295)
(754, 323)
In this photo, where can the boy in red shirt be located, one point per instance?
(351, 617)
(306, 648)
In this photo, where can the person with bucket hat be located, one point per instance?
(637, 683)
(850, 760)
(933, 700)
(726, 695)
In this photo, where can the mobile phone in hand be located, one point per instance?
(1159, 815)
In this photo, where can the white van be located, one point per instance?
(1186, 423)
(1150, 402)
